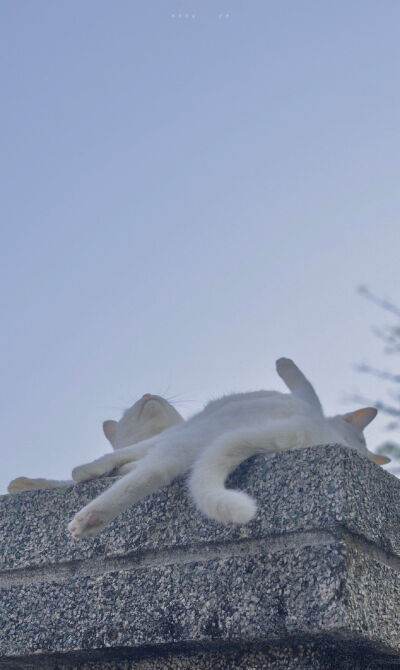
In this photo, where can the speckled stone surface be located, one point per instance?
(318, 566)
(308, 656)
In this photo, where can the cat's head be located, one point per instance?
(350, 426)
(148, 416)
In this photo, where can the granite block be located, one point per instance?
(314, 578)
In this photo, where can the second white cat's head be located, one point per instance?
(147, 417)
(350, 427)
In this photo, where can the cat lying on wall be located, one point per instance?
(213, 443)
(149, 416)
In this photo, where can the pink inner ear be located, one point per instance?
(361, 417)
(110, 428)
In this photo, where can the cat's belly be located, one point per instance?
(238, 415)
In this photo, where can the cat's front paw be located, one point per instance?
(98, 468)
(87, 523)
(21, 484)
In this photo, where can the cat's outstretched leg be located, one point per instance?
(27, 484)
(124, 469)
(150, 474)
(109, 462)
(21, 484)
(210, 470)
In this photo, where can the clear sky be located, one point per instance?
(183, 200)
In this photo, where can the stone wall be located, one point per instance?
(312, 582)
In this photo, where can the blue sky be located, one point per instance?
(183, 201)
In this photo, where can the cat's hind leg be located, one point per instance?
(297, 383)
(150, 474)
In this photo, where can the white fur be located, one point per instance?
(212, 444)
(147, 417)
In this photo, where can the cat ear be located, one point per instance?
(110, 428)
(378, 459)
(361, 417)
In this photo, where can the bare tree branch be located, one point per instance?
(390, 337)
(385, 304)
(382, 374)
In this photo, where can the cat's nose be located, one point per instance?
(147, 396)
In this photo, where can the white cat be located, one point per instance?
(147, 417)
(213, 443)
